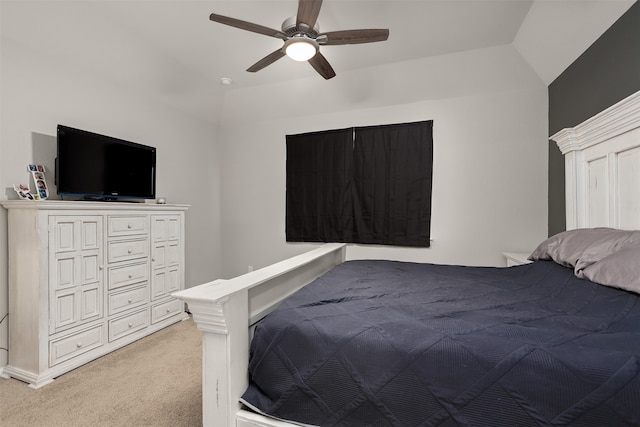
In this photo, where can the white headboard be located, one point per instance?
(602, 168)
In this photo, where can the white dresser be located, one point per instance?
(86, 278)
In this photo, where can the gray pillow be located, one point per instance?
(582, 247)
(606, 247)
(620, 269)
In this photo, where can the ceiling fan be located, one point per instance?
(302, 39)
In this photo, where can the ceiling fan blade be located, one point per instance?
(308, 11)
(267, 60)
(322, 66)
(353, 36)
(249, 26)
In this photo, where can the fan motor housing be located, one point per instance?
(289, 28)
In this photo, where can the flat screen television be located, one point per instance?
(99, 167)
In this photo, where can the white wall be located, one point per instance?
(40, 91)
(490, 154)
(4, 304)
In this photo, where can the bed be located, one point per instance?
(535, 344)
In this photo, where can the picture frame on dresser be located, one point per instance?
(86, 278)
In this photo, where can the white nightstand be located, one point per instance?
(516, 258)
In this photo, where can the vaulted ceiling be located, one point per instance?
(171, 48)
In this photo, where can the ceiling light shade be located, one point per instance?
(301, 48)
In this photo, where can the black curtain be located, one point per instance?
(367, 185)
(392, 184)
(319, 180)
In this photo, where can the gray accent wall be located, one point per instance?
(607, 72)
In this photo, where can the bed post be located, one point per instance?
(223, 310)
(223, 324)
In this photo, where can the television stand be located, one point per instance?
(88, 278)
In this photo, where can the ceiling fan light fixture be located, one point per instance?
(302, 37)
(301, 48)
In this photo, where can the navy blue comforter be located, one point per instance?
(385, 343)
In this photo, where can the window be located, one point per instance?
(367, 185)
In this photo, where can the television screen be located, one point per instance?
(100, 167)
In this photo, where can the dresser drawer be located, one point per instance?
(70, 346)
(127, 225)
(166, 309)
(124, 250)
(124, 326)
(127, 275)
(121, 301)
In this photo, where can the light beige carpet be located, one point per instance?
(155, 381)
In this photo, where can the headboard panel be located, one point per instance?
(602, 168)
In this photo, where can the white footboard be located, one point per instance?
(224, 311)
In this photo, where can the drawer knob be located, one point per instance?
(129, 226)
(129, 251)
(168, 310)
(130, 301)
(131, 325)
(130, 275)
(79, 345)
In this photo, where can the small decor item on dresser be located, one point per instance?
(23, 191)
(37, 171)
(161, 201)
